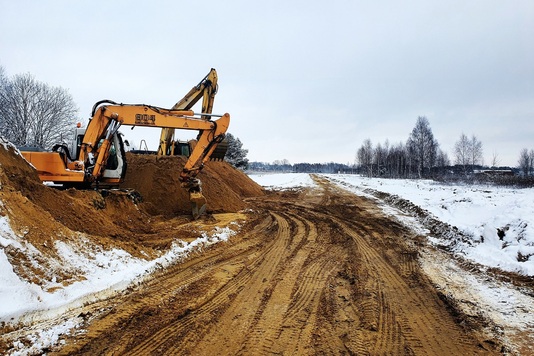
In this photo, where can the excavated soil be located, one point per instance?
(156, 178)
(143, 218)
(311, 271)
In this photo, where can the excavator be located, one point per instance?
(206, 89)
(99, 157)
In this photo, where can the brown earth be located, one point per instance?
(311, 271)
(156, 178)
(317, 271)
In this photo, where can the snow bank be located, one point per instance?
(498, 222)
(100, 270)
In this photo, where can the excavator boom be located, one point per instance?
(205, 90)
(108, 118)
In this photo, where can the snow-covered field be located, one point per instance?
(496, 223)
(282, 180)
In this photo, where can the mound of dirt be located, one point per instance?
(40, 216)
(156, 178)
(41, 211)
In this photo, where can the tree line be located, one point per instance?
(285, 166)
(421, 157)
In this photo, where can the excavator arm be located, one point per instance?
(205, 89)
(108, 116)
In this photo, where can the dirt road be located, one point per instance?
(317, 271)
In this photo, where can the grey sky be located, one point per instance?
(306, 81)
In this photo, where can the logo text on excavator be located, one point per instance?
(145, 119)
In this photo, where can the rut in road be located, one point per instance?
(313, 271)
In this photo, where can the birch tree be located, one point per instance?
(365, 156)
(526, 161)
(422, 147)
(468, 152)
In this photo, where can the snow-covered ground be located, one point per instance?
(282, 180)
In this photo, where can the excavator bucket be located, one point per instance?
(198, 204)
(220, 151)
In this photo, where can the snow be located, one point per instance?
(480, 212)
(282, 180)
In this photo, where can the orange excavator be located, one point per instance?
(98, 156)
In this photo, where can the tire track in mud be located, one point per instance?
(394, 300)
(266, 264)
(315, 272)
(168, 292)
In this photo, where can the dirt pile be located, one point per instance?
(41, 212)
(156, 178)
(40, 215)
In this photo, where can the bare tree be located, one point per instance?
(398, 160)
(495, 161)
(365, 156)
(475, 151)
(3, 91)
(3, 78)
(461, 152)
(468, 152)
(34, 113)
(379, 158)
(442, 159)
(526, 161)
(422, 146)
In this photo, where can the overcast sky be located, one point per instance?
(306, 81)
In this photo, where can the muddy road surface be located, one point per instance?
(314, 271)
